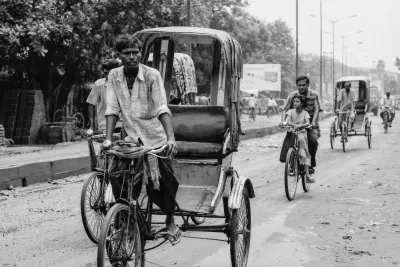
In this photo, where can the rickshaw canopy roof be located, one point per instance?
(184, 35)
(354, 78)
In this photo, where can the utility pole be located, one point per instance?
(188, 23)
(342, 56)
(333, 56)
(297, 38)
(321, 58)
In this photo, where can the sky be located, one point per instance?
(378, 21)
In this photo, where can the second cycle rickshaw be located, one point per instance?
(207, 137)
(361, 126)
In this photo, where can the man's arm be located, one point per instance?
(92, 100)
(317, 105)
(113, 108)
(162, 111)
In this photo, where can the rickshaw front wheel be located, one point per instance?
(240, 230)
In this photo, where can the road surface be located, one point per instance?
(350, 217)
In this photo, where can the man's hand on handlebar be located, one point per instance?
(172, 149)
(106, 145)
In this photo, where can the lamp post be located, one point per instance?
(333, 40)
(297, 38)
(343, 53)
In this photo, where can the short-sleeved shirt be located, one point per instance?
(252, 102)
(387, 102)
(97, 97)
(271, 103)
(141, 107)
(312, 102)
(346, 99)
(298, 118)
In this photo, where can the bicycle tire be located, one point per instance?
(291, 161)
(93, 232)
(369, 135)
(58, 114)
(109, 227)
(344, 136)
(385, 120)
(332, 137)
(306, 186)
(240, 225)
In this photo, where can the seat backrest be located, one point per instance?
(206, 124)
(360, 104)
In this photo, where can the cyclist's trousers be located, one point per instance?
(391, 115)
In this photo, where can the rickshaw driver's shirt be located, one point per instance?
(252, 102)
(346, 99)
(312, 102)
(387, 102)
(142, 107)
(97, 98)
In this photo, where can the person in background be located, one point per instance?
(387, 102)
(346, 102)
(272, 105)
(97, 98)
(252, 105)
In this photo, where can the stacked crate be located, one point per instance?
(9, 109)
(2, 136)
(31, 116)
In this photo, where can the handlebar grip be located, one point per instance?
(158, 150)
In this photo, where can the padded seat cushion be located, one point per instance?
(194, 149)
(203, 124)
(360, 106)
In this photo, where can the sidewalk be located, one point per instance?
(41, 163)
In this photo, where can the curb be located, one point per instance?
(43, 171)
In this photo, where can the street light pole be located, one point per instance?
(342, 56)
(297, 38)
(320, 61)
(333, 55)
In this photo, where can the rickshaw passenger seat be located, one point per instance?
(360, 106)
(199, 130)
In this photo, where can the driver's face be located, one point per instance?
(302, 85)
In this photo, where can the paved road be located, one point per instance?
(350, 217)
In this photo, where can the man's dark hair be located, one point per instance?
(300, 78)
(388, 94)
(127, 41)
(299, 97)
(251, 95)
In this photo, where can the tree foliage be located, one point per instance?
(37, 37)
(397, 63)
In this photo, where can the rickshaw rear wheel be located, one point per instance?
(240, 230)
(120, 239)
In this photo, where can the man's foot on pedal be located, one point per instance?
(291, 172)
(390, 124)
(311, 170)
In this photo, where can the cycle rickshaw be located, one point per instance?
(207, 137)
(361, 124)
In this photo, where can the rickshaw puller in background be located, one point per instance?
(388, 101)
(97, 98)
(137, 91)
(346, 102)
(312, 106)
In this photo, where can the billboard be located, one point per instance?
(261, 77)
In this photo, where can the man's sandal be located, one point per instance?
(175, 238)
(310, 180)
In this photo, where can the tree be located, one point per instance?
(38, 37)
(397, 63)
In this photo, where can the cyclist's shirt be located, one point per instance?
(298, 118)
(346, 99)
(387, 102)
(97, 98)
(141, 105)
(252, 102)
(311, 103)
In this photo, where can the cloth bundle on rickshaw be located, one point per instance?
(185, 76)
